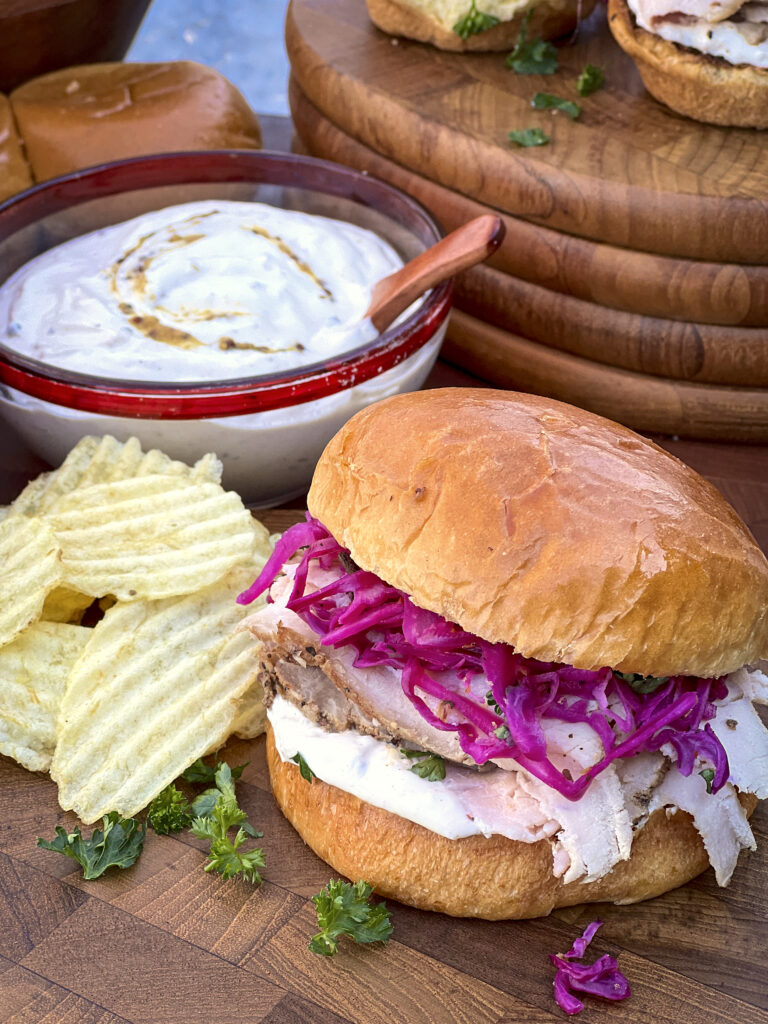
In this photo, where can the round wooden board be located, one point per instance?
(637, 400)
(735, 356)
(627, 172)
(622, 279)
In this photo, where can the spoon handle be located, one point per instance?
(464, 247)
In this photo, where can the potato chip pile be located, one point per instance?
(118, 710)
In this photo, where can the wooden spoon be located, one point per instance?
(463, 248)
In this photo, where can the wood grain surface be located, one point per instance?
(622, 279)
(638, 400)
(628, 172)
(165, 943)
(693, 352)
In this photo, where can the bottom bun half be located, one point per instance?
(494, 878)
(705, 88)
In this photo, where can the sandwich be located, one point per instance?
(511, 659)
(707, 59)
(477, 24)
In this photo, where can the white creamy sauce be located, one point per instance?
(379, 774)
(208, 290)
(727, 39)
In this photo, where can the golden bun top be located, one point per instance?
(90, 114)
(534, 523)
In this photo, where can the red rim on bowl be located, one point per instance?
(148, 400)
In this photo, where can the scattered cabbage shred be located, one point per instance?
(602, 978)
(493, 698)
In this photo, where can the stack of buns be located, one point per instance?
(87, 115)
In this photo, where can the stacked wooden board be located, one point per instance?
(633, 279)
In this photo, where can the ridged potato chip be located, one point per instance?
(97, 460)
(150, 537)
(30, 568)
(251, 715)
(65, 605)
(158, 685)
(33, 675)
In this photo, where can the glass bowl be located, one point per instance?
(268, 430)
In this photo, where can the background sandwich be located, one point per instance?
(477, 24)
(511, 659)
(707, 59)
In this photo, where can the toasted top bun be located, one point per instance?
(704, 88)
(533, 523)
(415, 20)
(14, 172)
(87, 115)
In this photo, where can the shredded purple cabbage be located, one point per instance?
(602, 978)
(493, 698)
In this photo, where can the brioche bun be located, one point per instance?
(14, 171)
(533, 523)
(547, 21)
(495, 878)
(87, 115)
(702, 87)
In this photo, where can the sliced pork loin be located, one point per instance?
(375, 692)
(330, 691)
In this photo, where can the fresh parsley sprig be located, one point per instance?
(344, 909)
(537, 57)
(474, 22)
(225, 855)
(428, 766)
(116, 844)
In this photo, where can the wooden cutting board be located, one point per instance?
(640, 401)
(622, 279)
(628, 172)
(165, 943)
(700, 353)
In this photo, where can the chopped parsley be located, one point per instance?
(529, 137)
(490, 700)
(304, 770)
(474, 22)
(590, 80)
(428, 766)
(642, 684)
(708, 775)
(546, 101)
(537, 57)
